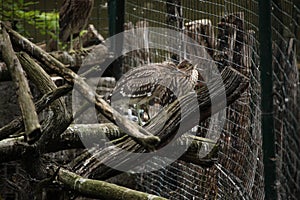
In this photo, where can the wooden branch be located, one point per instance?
(59, 114)
(16, 126)
(139, 134)
(4, 73)
(192, 153)
(101, 132)
(54, 123)
(86, 57)
(72, 60)
(202, 32)
(71, 139)
(14, 149)
(30, 117)
(99, 189)
(231, 38)
(89, 38)
(36, 73)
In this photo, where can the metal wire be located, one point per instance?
(239, 171)
(286, 98)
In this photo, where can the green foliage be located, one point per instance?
(45, 22)
(18, 13)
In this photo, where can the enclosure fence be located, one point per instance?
(232, 39)
(285, 34)
(229, 31)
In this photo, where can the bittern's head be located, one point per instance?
(185, 66)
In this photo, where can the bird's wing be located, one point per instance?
(155, 81)
(139, 82)
(65, 15)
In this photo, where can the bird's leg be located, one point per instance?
(143, 115)
(71, 44)
(80, 39)
(80, 42)
(138, 114)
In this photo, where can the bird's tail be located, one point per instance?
(52, 45)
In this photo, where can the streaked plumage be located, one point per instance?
(158, 83)
(73, 17)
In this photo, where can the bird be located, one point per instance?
(155, 83)
(73, 17)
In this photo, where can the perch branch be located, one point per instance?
(108, 131)
(89, 38)
(14, 149)
(30, 117)
(16, 125)
(56, 120)
(59, 115)
(82, 58)
(99, 189)
(71, 139)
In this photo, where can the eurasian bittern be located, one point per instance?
(159, 83)
(73, 17)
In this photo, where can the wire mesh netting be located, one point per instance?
(228, 31)
(285, 19)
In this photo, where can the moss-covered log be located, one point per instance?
(100, 189)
